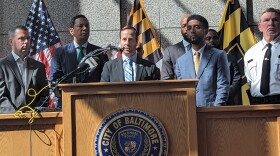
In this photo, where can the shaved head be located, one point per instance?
(184, 18)
(183, 24)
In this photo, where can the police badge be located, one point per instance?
(130, 133)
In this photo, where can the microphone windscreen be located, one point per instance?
(92, 63)
(83, 66)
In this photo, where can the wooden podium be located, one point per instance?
(239, 130)
(191, 131)
(171, 102)
(44, 137)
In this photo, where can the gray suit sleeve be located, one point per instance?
(167, 70)
(105, 75)
(6, 105)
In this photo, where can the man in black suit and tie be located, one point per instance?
(18, 74)
(173, 52)
(235, 98)
(68, 57)
(129, 67)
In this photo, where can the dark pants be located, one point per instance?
(273, 99)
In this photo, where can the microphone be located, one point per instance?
(92, 62)
(93, 54)
(111, 47)
(81, 67)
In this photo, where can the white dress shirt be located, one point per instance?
(200, 51)
(253, 62)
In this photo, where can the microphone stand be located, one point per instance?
(94, 53)
(54, 84)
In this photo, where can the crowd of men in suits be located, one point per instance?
(196, 56)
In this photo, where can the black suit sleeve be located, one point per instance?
(56, 67)
(156, 73)
(235, 97)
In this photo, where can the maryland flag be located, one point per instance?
(236, 38)
(145, 32)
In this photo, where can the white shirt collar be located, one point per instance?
(200, 50)
(273, 42)
(132, 58)
(16, 57)
(77, 45)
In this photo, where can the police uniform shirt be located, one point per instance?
(253, 62)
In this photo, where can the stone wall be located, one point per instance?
(108, 16)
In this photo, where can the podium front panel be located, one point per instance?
(170, 102)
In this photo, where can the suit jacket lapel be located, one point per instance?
(206, 56)
(139, 69)
(29, 72)
(72, 55)
(190, 63)
(181, 48)
(88, 48)
(119, 69)
(14, 68)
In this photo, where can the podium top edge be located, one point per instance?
(154, 82)
(239, 108)
(28, 115)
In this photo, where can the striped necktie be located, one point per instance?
(128, 70)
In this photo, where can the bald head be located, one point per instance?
(183, 24)
(184, 19)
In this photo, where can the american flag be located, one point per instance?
(44, 38)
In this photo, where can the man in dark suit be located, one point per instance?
(208, 65)
(66, 58)
(235, 98)
(129, 67)
(18, 74)
(173, 52)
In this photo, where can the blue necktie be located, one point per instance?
(128, 70)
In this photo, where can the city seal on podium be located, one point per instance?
(130, 132)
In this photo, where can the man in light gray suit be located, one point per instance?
(208, 65)
(173, 52)
(18, 74)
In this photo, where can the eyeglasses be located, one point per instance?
(213, 38)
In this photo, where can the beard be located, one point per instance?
(196, 40)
